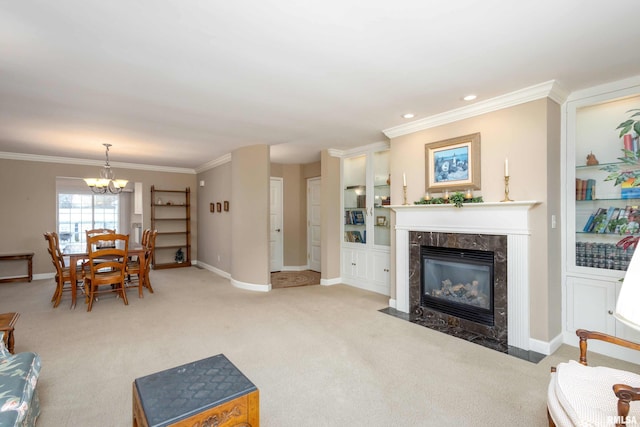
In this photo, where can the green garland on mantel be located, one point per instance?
(456, 199)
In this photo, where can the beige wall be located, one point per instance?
(331, 217)
(554, 236)
(529, 135)
(28, 194)
(294, 217)
(214, 229)
(250, 174)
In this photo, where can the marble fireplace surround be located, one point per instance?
(509, 219)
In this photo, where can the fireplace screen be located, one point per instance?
(458, 282)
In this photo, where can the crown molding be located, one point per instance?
(376, 146)
(605, 89)
(214, 163)
(88, 162)
(551, 89)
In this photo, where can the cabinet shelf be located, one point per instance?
(608, 199)
(174, 231)
(599, 166)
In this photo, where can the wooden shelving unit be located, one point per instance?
(171, 216)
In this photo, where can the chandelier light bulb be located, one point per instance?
(107, 181)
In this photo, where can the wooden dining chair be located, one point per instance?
(63, 272)
(106, 268)
(145, 236)
(140, 267)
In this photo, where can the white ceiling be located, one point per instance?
(183, 82)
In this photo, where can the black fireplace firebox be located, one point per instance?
(459, 282)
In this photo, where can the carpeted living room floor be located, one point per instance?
(320, 356)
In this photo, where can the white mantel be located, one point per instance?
(509, 218)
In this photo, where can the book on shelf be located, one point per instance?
(347, 217)
(595, 219)
(628, 191)
(602, 220)
(590, 193)
(357, 217)
(602, 226)
(578, 189)
(353, 236)
(585, 189)
(361, 201)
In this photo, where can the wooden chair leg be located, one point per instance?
(147, 282)
(91, 297)
(58, 294)
(123, 291)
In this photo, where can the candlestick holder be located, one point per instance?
(404, 194)
(506, 190)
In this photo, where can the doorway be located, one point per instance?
(276, 245)
(313, 223)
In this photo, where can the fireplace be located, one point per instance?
(502, 228)
(458, 285)
(458, 282)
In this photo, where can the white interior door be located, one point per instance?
(313, 223)
(275, 236)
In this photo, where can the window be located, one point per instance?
(80, 210)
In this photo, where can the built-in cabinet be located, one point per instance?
(171, 216)
(366, 218)
(597, 213)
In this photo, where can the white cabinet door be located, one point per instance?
(380, 271)
(590, 305)
(354, 265)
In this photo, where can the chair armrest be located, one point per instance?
(583, 334)
(625, 394)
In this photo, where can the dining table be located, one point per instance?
(77, 252)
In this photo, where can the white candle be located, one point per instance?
(506, 167)
(404, 179)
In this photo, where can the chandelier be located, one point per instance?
(107, 181)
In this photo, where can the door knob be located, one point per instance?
(278, 230)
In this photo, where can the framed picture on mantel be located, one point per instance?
(453, 164)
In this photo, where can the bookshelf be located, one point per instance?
(601, 218)
(366, 219)
(171, 216)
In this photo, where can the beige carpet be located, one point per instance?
(320, 356)
(289, 279)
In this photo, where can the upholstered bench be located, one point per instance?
(19, 404)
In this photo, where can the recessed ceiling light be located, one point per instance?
(469, 97)
(408, 116)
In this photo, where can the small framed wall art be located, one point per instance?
(453, 164)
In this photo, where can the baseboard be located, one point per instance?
(330, 282)
(250, 286)
(214, 270)
(392, 302)
(544, 347)
(295, 268)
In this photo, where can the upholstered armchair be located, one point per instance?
(19, 404)
(581, 395)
